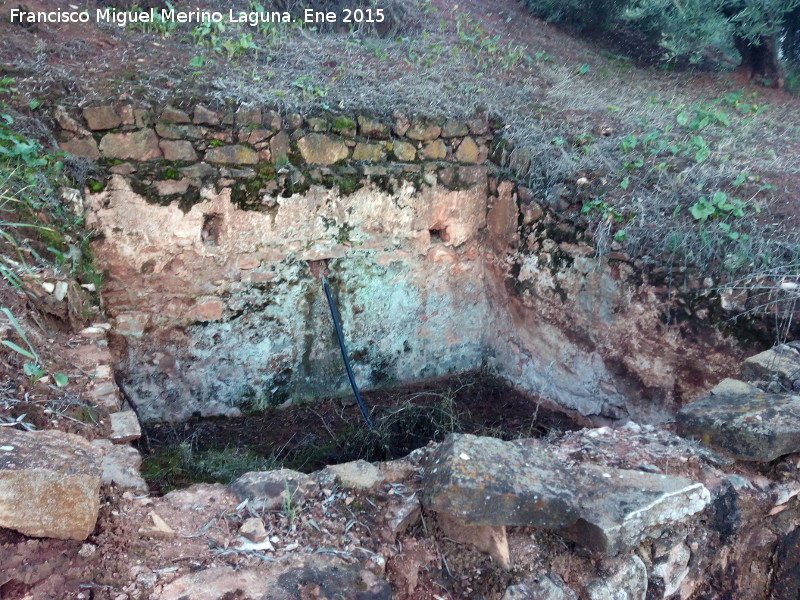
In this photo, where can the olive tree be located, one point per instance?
(760, 32)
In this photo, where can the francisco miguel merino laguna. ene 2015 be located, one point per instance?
(123, 18)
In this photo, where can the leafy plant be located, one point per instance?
(719, 206)
(31, 369)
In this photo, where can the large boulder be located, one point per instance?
(485, 481)
(759, 427)
(49, 484)
(780, 364)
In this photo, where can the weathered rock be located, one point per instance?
(139, 145)
(372, 128)
(180, 132)
(730, 386)
(235, 155)
(280, 147)
(433, 150)
(670, 570)
(404, 150)
(81, 146)
(401, 124)
(485, 481)
(205, 116)
(403, 514)
(49, 484)
(143, 117)
(452, 129)
(758, 427)
(423, 130)
(541, 587)
(531, 213)
(170, 114)
(124, 427)
(787, 575)
(318, 577)
(178, 150)
(125, 168)
(126, 114)
(155, 527)
(198, 171)
(317, 124)
(121, 465)
(208, 309)
(781, 364)
(101, 117)
(490, 539)
(319, 149)
(478, 126)
(502, 218)
(272, 490)
(468, 151)
(294, 121)
(272, 120)
(170, 187)
(248, 115)
(618, 508)
(358, 474)
(623, 579)
(253, 529)
(66, 122)
(369, 152)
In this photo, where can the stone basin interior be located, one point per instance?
(309, 436)
(440, 264)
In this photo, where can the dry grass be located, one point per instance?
(553, 95)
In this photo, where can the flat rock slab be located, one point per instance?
(273, 490)
(318, 577)
(781, 363)
(485, 481)
(757, 427)
(619, 507)
(49, 484)
(125, 427)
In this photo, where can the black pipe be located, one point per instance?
(340, 337)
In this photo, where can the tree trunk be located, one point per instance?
(760, 60)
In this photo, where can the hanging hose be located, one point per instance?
(340, 337)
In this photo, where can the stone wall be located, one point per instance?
(214, 226)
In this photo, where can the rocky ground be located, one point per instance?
(593, 513)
